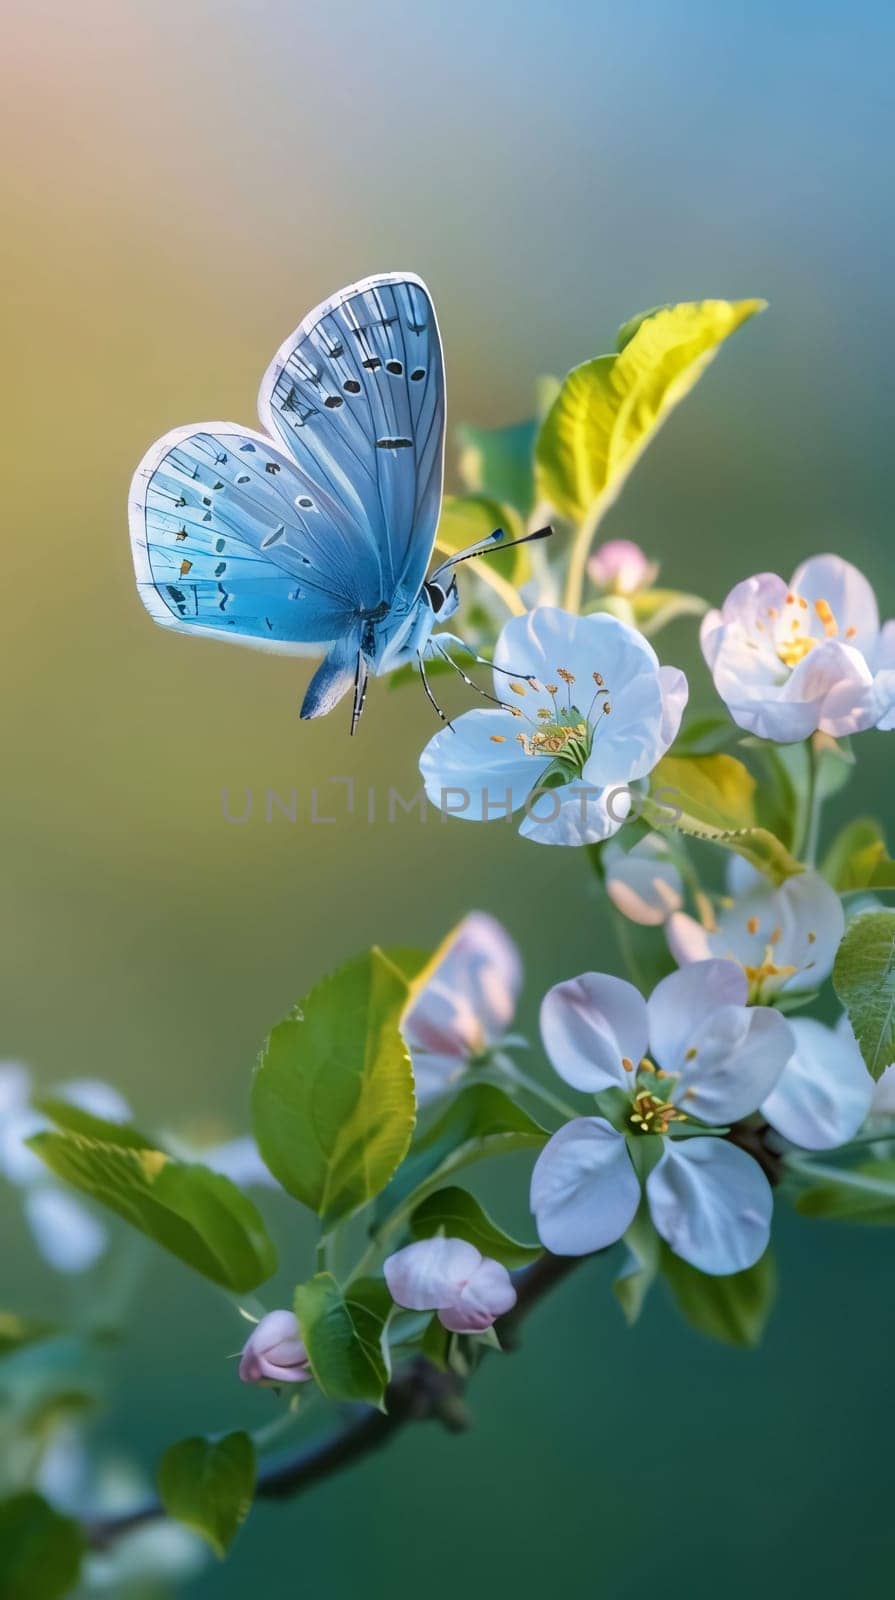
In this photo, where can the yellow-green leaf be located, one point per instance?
(717, 783)
(692, 794)
(608, 409)
(332, 1099)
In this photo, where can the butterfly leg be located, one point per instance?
(430, 696)
(361, 679)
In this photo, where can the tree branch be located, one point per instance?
(420, 1392)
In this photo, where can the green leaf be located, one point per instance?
(499, 462)
(732, 1309)
(712, 798)
(209, 1484)
(455, 1213)
(481, 1121)
(864, 980)
(332, 1099)
(864, 1193)
(703, 735)
(345, 1336)
(201, 1217)
(16, 1331)
(638, 1273)
(74, 1120)
(40, 1550)
(608, 409)
(858, 858)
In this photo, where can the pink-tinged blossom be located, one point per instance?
(784, 937)
(465, 1006)
(274, 1352)
(469, 1291)
(792, 659)
(643, 883)
(713, 1059)
(620, 567)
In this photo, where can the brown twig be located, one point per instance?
(419, 1392)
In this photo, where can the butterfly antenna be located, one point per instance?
(492, 545)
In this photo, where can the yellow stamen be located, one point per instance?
(825, 613)
(498, 738)
(752, 925)
(627, 1063)
(567, 677)
(691, 1054)
(517, 688)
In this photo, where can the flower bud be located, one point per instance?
(468, 1290)
(274, 1353)
(621, 567)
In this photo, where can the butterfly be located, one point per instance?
(314, 537)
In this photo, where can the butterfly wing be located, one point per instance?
(357, 395)
(232, 538)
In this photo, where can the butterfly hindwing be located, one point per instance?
(357, 395)
(231, 537)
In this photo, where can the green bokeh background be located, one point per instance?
(182, 182)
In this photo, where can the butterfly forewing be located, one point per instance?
(231, 537)
(357, 395)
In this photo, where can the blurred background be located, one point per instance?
(183, 181)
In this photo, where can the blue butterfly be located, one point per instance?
(315, 536)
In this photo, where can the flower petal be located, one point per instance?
(738, 1055)
(485, 1296)
(577, 813)
(429, 1274)
(477, 770)
(67, 1235)
(675, 692)
(837, 682)
(711, 1203)
(828, 579)
(584, 1190)
(824, 1092)
(548, 641)
(644, 884)
(687, 939)
(679, 1004)
(588, 1025)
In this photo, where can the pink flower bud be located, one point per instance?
(621, 567)
(468, 1290)
(274, 1353)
